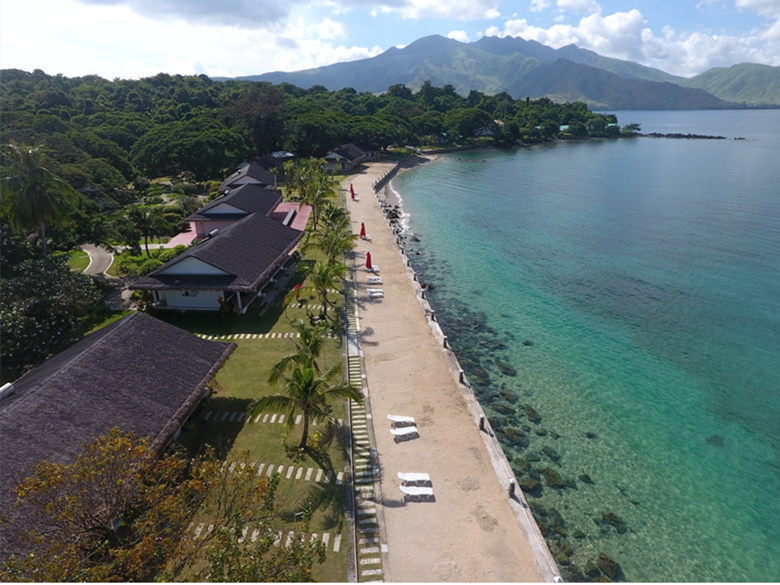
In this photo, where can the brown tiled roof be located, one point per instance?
(251, 170)
(139, 374)
(249, 198)
(250, 251)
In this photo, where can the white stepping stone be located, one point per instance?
(258, 417)
(370, 572)
(278, 538)
(300, 472)
(208, 415)
(319, 475)
(270, 470)
(313, 537)
(265, 418)
(273, 418)
(255, 534)
(339, 478)
(308, 473)
(243, 534)
(241, 416)
(326, 538)
(369, 550)
(260, 469)
(224, 416)
(281, 418)
(298, 419)
(289, 539)
(233, 416)
(371, 561)
(290, 471)
(198, 530)
(232, 466)
(329, 477)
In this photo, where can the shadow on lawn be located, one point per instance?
(219, 431)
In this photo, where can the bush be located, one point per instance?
(148, 266)
(171, 253)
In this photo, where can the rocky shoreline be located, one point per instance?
(482, 352)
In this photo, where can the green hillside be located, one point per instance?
(747, 83)
(527, 68)
(563, 80)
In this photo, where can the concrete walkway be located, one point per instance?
(472, 531)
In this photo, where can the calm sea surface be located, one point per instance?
(628, 291)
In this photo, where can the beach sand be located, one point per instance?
(472, 531)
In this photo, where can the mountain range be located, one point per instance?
(530, 69)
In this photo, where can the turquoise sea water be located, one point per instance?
(634, 287)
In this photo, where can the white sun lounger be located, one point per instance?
(374, 280)
(400, 421)
(421, 493)
(405, 433)
(414, 479)
(377, 295)
(374, 269)
(366, 238)
(375, 290)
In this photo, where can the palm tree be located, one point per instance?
(150, 221)
(308, 393)
(322, 278)
(307, 350)
(334, 243)
(31, 196)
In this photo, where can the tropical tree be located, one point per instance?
(118, 513)
(308, 347)
(334, 243)
(31, 197)
(321, 279)
(150, 221)
(309, 393)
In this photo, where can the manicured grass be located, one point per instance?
(243, 379)
(78, 260)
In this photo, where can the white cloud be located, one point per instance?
(114, 41)
(457, 9)
(626, 35)
(579, 6)
(459, 35)
(539, 5)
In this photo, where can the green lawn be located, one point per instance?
(78, 260)
(243, 379)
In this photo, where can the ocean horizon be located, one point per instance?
(614, 304)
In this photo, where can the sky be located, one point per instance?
(130, 39)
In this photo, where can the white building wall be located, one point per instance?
(183, 299)
(191, 265)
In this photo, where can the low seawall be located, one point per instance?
(545, 563)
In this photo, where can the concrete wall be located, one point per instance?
(191, 300)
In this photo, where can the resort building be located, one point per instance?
(139, 374)
(231, 265)
(236, 204)
(249, 174)
(348, 156)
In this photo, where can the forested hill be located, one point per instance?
(529, 69)
(103, 136)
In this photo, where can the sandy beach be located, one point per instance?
(472, 531)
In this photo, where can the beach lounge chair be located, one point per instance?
(415, 479)
(405, 433)
(420, 493)
(397, 421)
(375, 290)
(374, 269)
(366, 238)
(377, 295)
(374, 280)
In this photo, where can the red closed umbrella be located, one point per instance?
(369, 266)
(362, 230)
(352, 190)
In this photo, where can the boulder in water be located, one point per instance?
(608, 566)
(505, 368)
(585, 478)
(716, 441)
(532, 415)
(551, 453)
